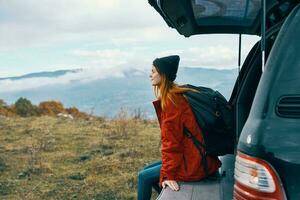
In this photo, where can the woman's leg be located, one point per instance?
(155, 185)
(153, 164)
(146, 178)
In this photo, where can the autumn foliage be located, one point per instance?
(6, 110)
(51, 108)
(24, 108)
(75, 112)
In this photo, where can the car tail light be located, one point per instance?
(256, 179)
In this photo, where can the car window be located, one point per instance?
(228, 13)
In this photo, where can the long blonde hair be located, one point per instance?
(168, 90)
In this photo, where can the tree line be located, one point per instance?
(24, 108)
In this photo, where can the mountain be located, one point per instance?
(106, 96)
(42, 74)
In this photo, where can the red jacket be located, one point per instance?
(181, 161)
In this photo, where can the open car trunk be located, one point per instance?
(215, 16)
(192, 17)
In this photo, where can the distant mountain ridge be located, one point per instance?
(106, 96)
(49, 74)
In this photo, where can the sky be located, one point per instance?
(97, 35)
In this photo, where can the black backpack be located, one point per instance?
(215, 118)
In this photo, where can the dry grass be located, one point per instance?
(52, 158)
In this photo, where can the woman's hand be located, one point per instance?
(172, 184)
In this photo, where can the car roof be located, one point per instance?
(191, 17)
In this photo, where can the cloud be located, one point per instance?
(34, 35)
(208, 57)
(114, 62)
(212, 56)
(30, 22)
(102, 54)
(132, 57)
(83, 76)
(100, 64)
(218, 54)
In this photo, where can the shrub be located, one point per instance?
(7, 110)
(51, 108)
(24, 108)
(139, 114)
(122, 123)
(73, 111)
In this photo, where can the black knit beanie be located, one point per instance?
(168, 66)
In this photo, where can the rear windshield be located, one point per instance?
(227, 13)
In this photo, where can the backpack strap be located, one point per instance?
(200, 146)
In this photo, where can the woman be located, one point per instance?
(181, 160)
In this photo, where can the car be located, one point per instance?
(265, 97)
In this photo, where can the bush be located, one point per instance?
(73, 111)
(51, 108)
(24, 108)
(6, 110)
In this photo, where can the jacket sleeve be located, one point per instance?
(172, 141)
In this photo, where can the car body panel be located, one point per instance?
(267, 134)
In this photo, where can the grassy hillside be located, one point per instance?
(56, 158)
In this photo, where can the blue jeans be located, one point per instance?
(148, 178)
